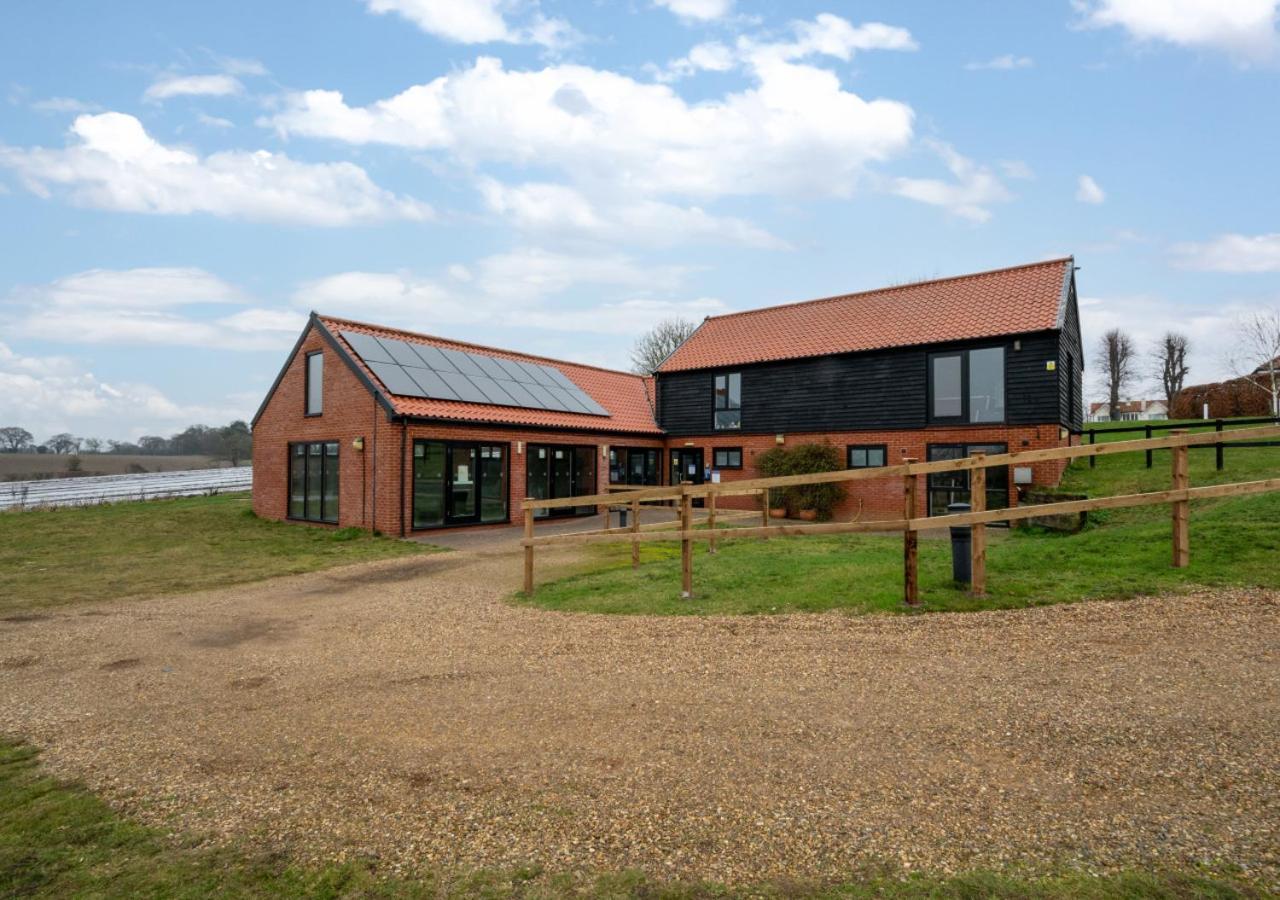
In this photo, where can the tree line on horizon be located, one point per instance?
(232, 442)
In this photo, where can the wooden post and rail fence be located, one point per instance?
(1179, 496)
(1218, 425)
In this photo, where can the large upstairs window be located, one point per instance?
(967, 386)
(728, 401)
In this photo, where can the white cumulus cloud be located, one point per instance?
(698, 10)
(168, 86)
(1088, 190)
(478, 22)
(796, 131)
(181, 306)
(1244, 29)
(112, 163)
(1231, 253)
(971, 191)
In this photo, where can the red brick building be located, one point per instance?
(381, 428)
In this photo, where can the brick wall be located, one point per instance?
(351, 411)
(882, 497)
(376, 485)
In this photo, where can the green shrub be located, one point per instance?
(804, 459)
(772, 463)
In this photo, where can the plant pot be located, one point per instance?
(777, 512)
(808, 515)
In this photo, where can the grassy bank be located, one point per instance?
(1122, 553)
(55, 556)
(59, 840)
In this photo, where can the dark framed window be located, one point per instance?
(728, 401)
(953, 487)
(633, 465)
(867, 456)
(315, 383)
(313, 481)
(459, 483)
(967, 386)
(726, 458)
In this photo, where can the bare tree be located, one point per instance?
(15, 439)
(658, 343)
(92, 445)
(63, 443)
(1170, 365)
(1258, 345)
(1118, 367)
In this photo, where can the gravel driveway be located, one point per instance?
(403, 710)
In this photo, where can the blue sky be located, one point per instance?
(181, 183)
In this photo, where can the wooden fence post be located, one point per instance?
(1093, 439)
(528, 551)
(978, 547)
(711, 521)
(910, 561)
(764, 512)
(1217, 426)
(686, 545)
(635, 529)
(1181, 508)
(1149, 452)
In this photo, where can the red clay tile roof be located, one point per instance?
(624, 395)
(1016, 300)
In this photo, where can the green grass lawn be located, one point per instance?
(1122, 553)
(59, 840)
(50, 557)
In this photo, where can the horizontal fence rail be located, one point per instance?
(94, 489)
(909, 472)
(1218, 425)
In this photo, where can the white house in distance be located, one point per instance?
(1129, 411)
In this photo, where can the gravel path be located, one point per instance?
(402, 710)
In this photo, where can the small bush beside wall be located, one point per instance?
(804, 459)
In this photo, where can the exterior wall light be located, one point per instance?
(358, 444)
(779, 438)
(519, 448)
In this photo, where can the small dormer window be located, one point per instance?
(728, 401)
(315, 384)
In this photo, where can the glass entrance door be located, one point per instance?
(554, 471)
(456, 483)
(953, 487)
(686, 465)
(463, 494)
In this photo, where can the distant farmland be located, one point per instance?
(22, 466)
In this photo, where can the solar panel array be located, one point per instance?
(441, 373)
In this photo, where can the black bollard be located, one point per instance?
(961, 544)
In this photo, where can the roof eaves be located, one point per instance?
(1068, 277)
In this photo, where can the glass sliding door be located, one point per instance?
(493, 483)
(428, 484)
(554, 471)
(538, 477)
(584, 476)
(953, 487)
(459, 483)
(463, 496)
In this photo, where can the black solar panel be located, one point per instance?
(367, 347)
(411, 369)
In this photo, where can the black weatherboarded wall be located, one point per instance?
(871, 391)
